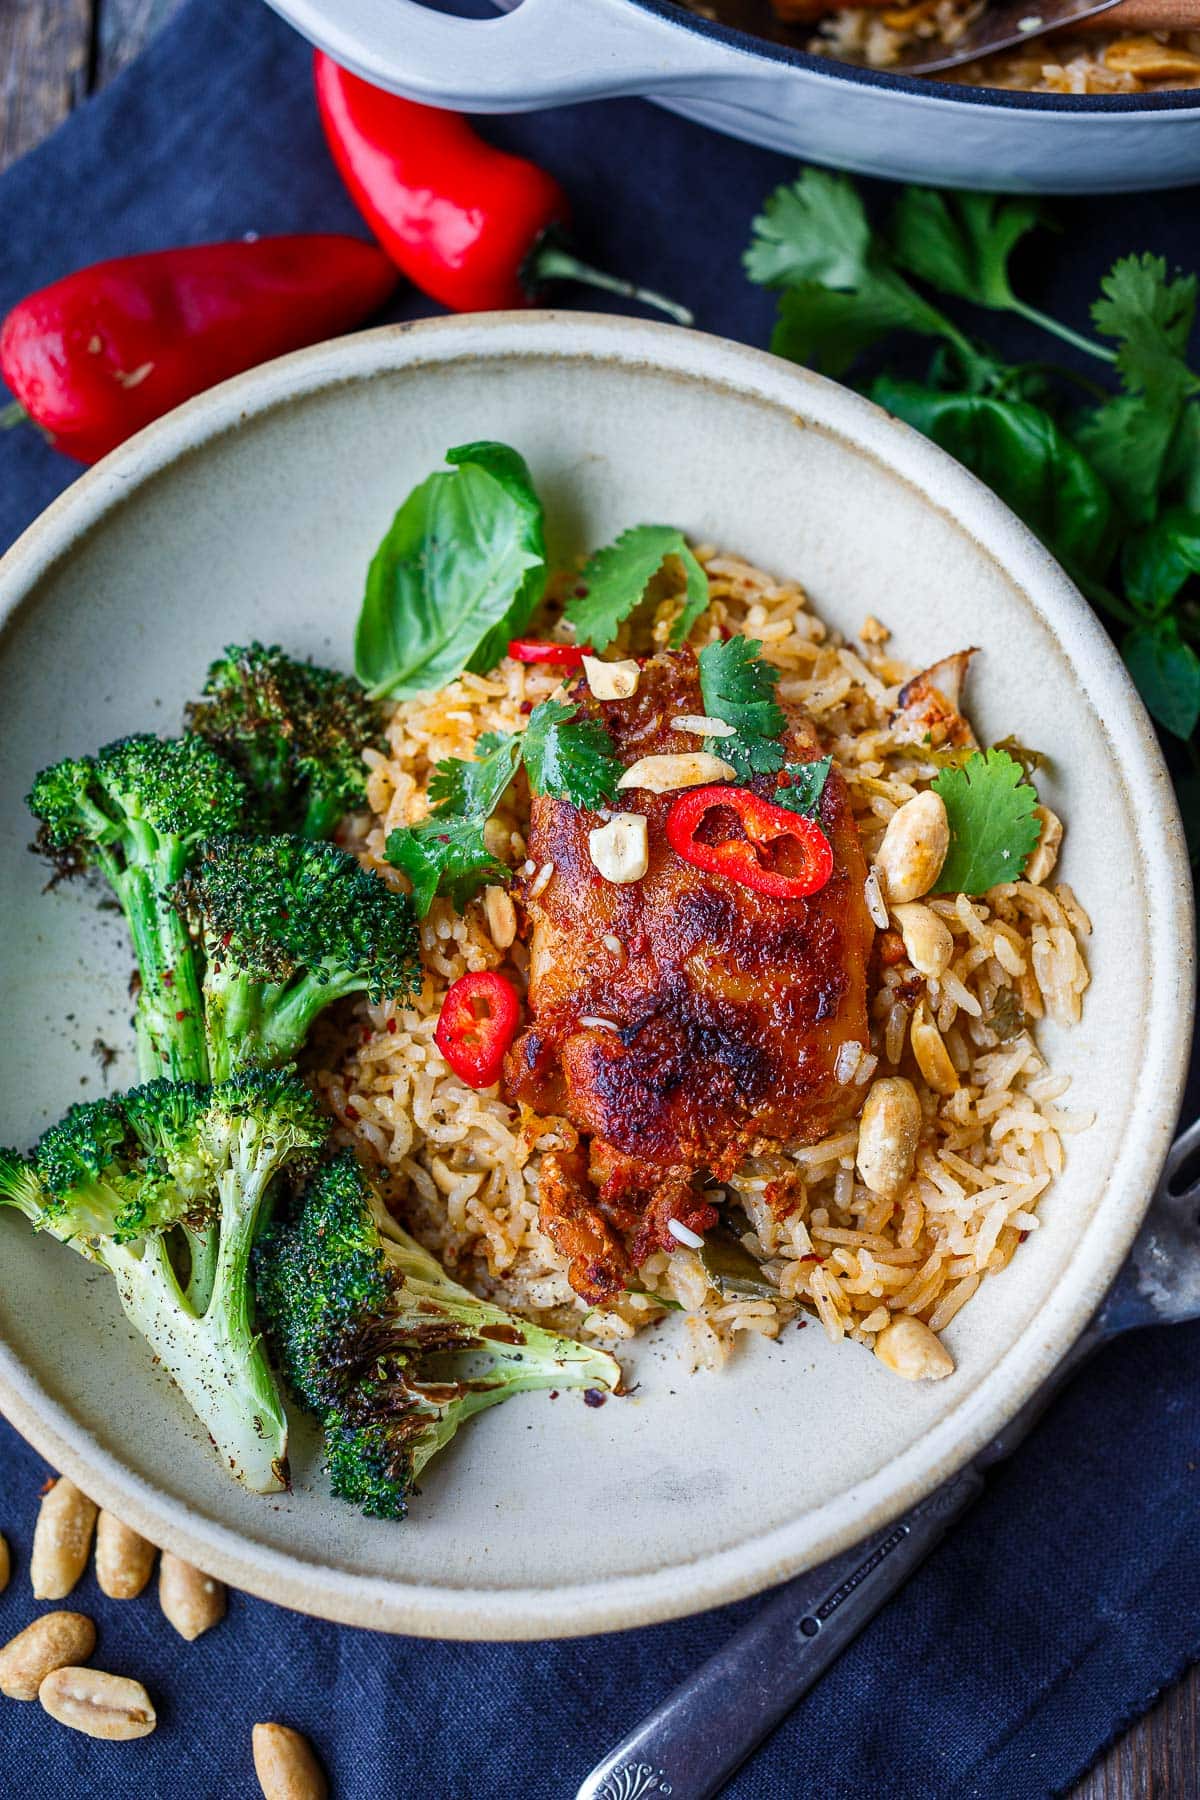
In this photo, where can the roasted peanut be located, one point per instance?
(620, 850)
(1045, 852)
(286, 1766)
(914, 848)
(888, 1131)
(124, 1559)
(501, 916)
(933, 1058)
(663, 774)
(193, 1603)
(928, 940)
(909, 1348)
(5, 1562)
(51, 1642)
(62, 1539)
(611, 680)
(102, 1706)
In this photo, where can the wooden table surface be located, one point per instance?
(53, 54)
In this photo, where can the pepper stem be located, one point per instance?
(551, 261)
(12, 415)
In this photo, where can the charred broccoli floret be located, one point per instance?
(115, 1174)
(295, 732)
(373, 1336)
(288, 927)
(136, 811)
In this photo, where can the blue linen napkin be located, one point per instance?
(1068, 1597)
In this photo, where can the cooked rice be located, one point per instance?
(462, 1167)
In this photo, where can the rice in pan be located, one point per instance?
(461, 1167)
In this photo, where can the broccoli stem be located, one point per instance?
(169, 1014)
(215, 1361)
(247, 1021)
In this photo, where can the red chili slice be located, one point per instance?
(740, 858)
(540, 650)
(477, 1023)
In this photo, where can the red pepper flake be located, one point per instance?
(1021, 1236)
(179, 1017)
(580, 591)
(812, 1257)
(353, 1114)
(392, 1027)
(554, 1393)
(593, 1397)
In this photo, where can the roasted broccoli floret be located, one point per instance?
(288, 927)
(136, 810)
(116, 1173)
(373, 1336)
(294, 731)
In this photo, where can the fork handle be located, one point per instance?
(690, 1746)
(1144, 15)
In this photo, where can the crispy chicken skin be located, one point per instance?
(679, 1019)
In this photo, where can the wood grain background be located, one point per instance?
(53, 54)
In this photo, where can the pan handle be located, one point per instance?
(544, 53)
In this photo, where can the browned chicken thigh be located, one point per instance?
(680, 1019)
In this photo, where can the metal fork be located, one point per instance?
(691, 1744)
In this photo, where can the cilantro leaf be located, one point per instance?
(570, 758)
(460, 789)
(961, 243)
(805, 785)
(993, 830)
(843, 292)
(1131, 438)
(738, 687)
(444, 855)
(1167, 673)
(617, 577)
(1151, 316)
(814, 229)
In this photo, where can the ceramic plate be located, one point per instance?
(254, 511)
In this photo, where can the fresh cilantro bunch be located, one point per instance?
(568, 757)
(1107, 475)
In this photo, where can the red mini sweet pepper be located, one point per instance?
(476, 1025)
(94, 357)
(470, 225)
(803, 859)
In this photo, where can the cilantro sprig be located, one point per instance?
(803, 785)
(1106, 473)
(615, 580)
(569, 758)
(566, 756)
(993, 825)
(738, 687)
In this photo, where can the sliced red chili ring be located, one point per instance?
(476, 1025)
(740, 858)
(541, 650)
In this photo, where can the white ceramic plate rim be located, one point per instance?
(574, 1607)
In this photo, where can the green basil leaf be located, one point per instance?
(1157, 562)
(1167, 674)
(460, 571)
(617, 577)
(1019, 451)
